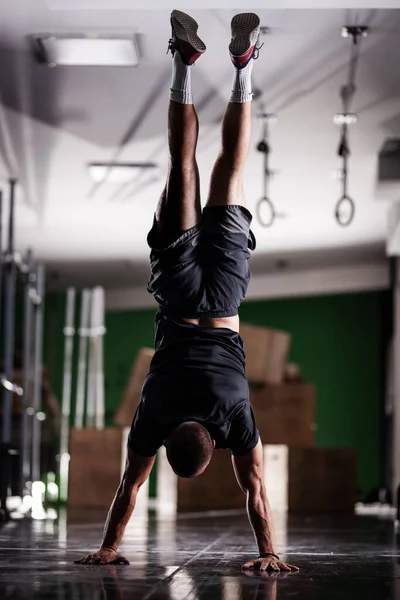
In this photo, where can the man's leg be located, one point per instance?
(227, 177)
(179, 207)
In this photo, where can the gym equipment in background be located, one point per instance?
(265, 204)
(345, 206)
(69, 333)
(87, 412)
(28, 273)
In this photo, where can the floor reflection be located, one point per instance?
(199, 559)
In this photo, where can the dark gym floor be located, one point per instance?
(199, 558)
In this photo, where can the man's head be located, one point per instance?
(189, 449)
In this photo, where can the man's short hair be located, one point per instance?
(189, 449)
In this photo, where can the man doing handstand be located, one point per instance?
(196, 397)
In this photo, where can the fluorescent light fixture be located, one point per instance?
(88, 51)
(345, 119)
(123, 172)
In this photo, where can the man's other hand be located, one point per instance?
(105, 556)
(269, 563)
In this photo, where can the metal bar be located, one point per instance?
(266, 174)
(1, 247)
(82, 359)
(396, 382)
(98, 296)
(37, 374)
(69, 333)
(9, 315)
(345, 175)
(26, 421)
(91, 381)
(353, 66)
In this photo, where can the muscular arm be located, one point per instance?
(136, 472)
(249, 473)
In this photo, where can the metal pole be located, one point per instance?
(9, 314)
(37, 373)
(82, 359)
(69, 332)
(1, 247)
(396, 382)
(26, 421)
(98, 296)
(91, 384)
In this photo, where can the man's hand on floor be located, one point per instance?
(269, 563)
(105, 556)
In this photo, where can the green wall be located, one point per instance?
(337, 340)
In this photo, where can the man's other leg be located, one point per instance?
(227, 177)
(179, 207)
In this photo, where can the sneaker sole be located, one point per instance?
(185, 28)
(245, 31)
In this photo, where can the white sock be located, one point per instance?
(181, 84)
(241, 86)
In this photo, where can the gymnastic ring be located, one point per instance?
(342, 200)
(268, 202)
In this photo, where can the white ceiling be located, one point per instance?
(55, 121)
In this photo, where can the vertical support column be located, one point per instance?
(98, 296)
(82, 359)
(1, 247)
(396, 381)
(26, 420)
(38, 372)
(91, 379)
(69, 333)
(9, 315)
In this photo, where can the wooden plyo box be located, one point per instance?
(266, 353)
(298, 480)
(97, 461)
(322, 479)
(131, 396)
(285, 414)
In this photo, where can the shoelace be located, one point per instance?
(171, 46)
(256, 52)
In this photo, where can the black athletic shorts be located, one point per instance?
(205, 272)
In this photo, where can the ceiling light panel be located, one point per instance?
(123, 172)
(89, 51)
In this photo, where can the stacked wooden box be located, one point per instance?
(284, 411)
(97, 461)
(296, 479)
